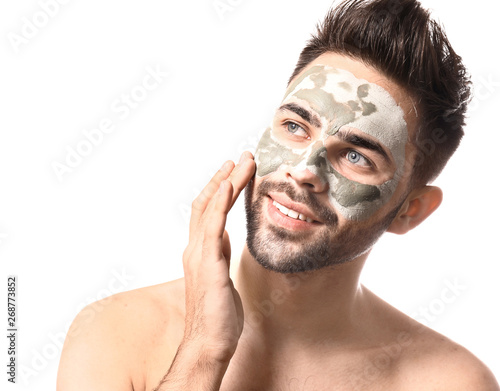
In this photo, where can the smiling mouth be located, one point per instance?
(292, 213)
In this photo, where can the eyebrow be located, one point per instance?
(359, 141)
(303, 113)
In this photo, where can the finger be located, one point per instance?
(214, 230)
(226, 248)
(242, 174)
(200, 203)
(239, 177)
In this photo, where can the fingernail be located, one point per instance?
(242, 158)
(226, 166)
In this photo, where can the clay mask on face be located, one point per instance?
(340, 99)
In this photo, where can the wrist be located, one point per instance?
(205, 354)
(194, 369)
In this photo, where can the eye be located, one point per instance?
(296, 129)
(355, 157)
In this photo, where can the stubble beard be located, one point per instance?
(284, 251)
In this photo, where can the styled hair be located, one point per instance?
(399, 39)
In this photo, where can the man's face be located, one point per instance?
(329, 169)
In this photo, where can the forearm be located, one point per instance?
(192, 369)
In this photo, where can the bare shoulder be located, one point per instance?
(425, 359)
(439, 363)
(112, 341)
(431, 361)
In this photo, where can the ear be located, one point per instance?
(419, 205)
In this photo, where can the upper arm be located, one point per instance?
(475, 377)
(94, 356)
(451, 369)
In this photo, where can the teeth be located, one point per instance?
(283, 209)
(291, 213)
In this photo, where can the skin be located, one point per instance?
(327, 116)
(335, 100)
(262, 330)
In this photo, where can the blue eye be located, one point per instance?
(353, 156)
(356, 158)
(293, 127)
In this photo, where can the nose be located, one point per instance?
(310, 173)
(305, 178)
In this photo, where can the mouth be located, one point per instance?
(292, 213)
(291, 217)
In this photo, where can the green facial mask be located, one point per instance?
(340, 99)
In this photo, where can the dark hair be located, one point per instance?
(400, 40)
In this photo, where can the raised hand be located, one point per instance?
(214, 313)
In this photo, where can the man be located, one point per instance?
(339, 166)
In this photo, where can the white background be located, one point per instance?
(123, 210)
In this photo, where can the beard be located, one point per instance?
(284, 251)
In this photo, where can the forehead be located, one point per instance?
(340, 98)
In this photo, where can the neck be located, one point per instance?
(321, 305)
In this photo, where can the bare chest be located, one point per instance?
(254, 373)
(348, 372)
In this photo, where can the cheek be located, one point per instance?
(353, 200)
(270, 155)
(357, 201)
(353, 194)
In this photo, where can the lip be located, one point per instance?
(278, 218)
(283, 199)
